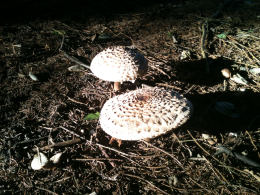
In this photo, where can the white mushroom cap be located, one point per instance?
(119, 64)
(144, 113)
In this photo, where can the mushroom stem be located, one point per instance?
(119, 141)
(117, 86)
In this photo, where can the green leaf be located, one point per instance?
(59, 32)
(222, 36)
(92, 116)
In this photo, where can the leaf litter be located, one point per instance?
(48, 114)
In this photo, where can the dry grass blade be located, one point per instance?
(217, 173)
(148, 182)
(248, 53)
(163, 151)
(71, 132)
(106, 155)
(198, 144)
(97, 159)
(46, 190)
(251, 140)
(117, 151)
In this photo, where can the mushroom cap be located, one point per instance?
(144, 113)
(119, 64)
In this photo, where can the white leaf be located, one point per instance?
(39, 161)
(56, 158)
(185, 54)
(239, 79)
(205, 136)
(76, 68)
(255, 70)
(33, 77)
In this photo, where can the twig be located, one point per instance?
(59, 144)
(203, 148)
(71, 132)
(46, 190)
(198, 143)
(188, 90)
(245, 171)
(252, 174)
(106, 155)
(237, 43)
(251, 140)
(209, 155)
(73, 59)
(62, 180)
(202, 187)
(163, 151)
(217, 173)
(28, 141)
(115, 150)
(244, 159)
(242, 50)
(159, 69)
(73, 100)
(62, 42)
(204, 36)
(148, 182)
(120, 153)
(169, 86)
(97, 159)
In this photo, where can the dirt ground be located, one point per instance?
(45, 96)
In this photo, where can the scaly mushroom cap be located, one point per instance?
(119, 64)
(144, 113)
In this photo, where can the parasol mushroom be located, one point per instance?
(119, 64)
(144, 113)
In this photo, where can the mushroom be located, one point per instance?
(119, 64)
(144, 113)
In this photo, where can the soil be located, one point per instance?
(46, 96)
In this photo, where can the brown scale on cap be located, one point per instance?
(144, 113)
(119, 64)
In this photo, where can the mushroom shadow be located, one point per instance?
(206, 118)
(192, 72)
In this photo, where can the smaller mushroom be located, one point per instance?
(119, 64)
(144, 113)
(226, 73)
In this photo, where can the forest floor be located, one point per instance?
(46, 96)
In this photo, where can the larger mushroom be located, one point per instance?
(144, 113)
(119, 64)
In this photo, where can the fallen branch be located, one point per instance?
(59, 144)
